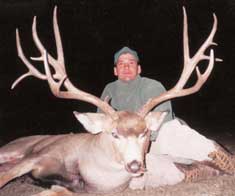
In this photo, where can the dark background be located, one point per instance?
(92, 31)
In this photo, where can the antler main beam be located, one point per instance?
(59, 78)
(190, 64)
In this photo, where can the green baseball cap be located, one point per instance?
(125, 50)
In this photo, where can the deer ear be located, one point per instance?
(94, 122)
(154, 120)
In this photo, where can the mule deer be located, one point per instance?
(115, 151)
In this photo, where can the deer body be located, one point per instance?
(94, 162)
(67, 158)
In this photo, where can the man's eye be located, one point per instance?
(133, 62)
(120, 65)
(115, 135)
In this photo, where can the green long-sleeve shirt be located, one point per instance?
(132, 95)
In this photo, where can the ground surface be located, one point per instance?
(216, 186)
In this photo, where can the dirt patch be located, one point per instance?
(216, 186)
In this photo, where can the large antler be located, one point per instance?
(189, 66)
(59, 78)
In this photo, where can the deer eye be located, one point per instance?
(115, 135)
(142, 135)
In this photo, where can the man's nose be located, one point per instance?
(126, 65)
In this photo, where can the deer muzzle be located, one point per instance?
(136, 168)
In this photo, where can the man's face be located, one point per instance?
(127, 68)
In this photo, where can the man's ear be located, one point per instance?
(95, 122)
(139, 69)
(115, 71)
(154, 120)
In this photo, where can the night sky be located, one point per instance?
(92, 31)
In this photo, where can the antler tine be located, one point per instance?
(57, 64)
(59, 46)
(31, 69)
(190, 64)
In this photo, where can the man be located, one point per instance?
(131, 91)
(175, 142)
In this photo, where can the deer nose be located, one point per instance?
(134, 166)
